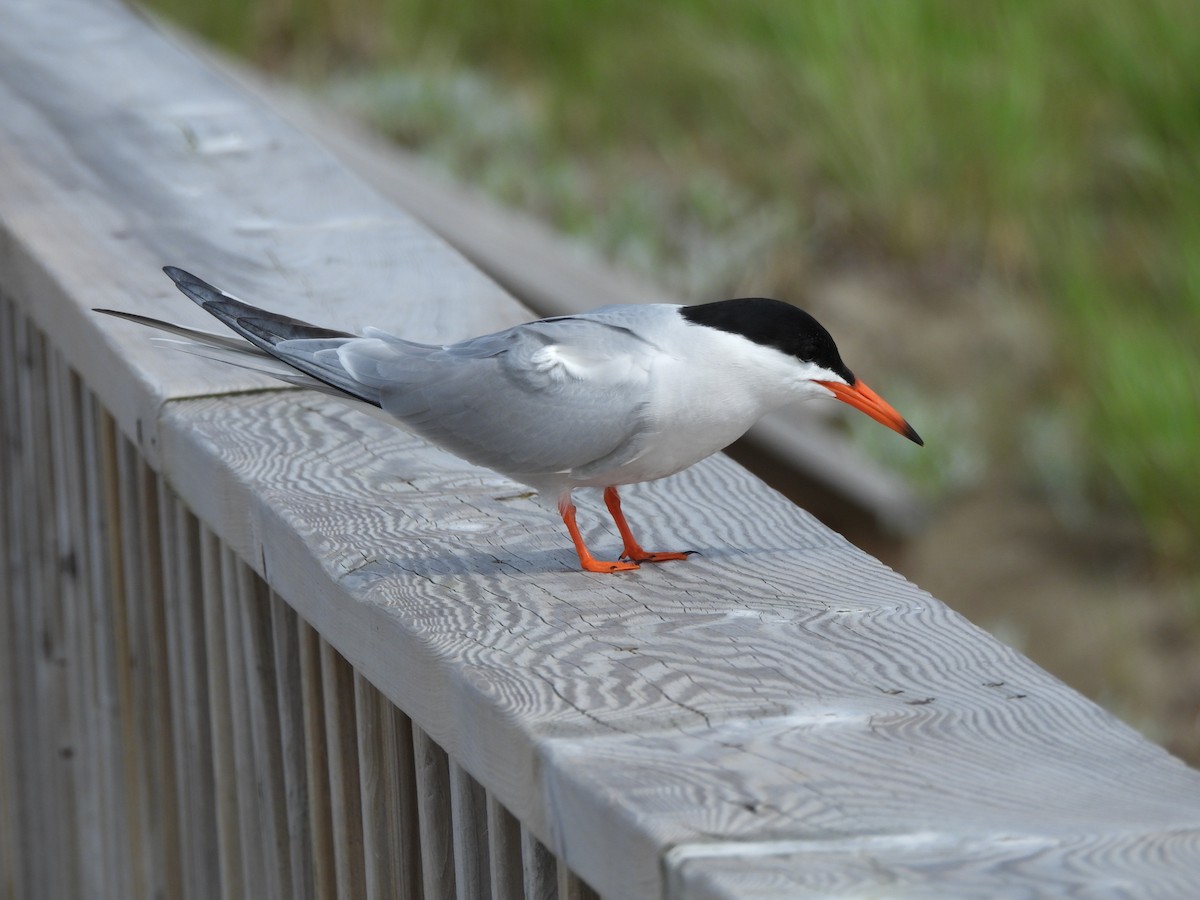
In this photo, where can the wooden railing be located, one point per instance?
(254, 644)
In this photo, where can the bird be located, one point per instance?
(619, 395)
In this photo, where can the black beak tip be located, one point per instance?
(911, 434)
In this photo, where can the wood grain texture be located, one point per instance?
(320, 806)
(970, 866)
(100, 691)
(432, 770)
(251, 619)
(381, 850)
(183, 609)
(17, 673)
(147, 737)
(468, 812)
(289, 682)
(760, 692)
(11, 854)
(571, 886)
(223, 750)
(504, 852)
(391, 833)
(38, 801)
(70, 425)
(341, 731)
(539, 868)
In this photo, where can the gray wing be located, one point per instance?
(562, 395)
(556, 396)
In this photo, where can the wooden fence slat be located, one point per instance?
(289, 684)
(81, 847)
(253, 622)
(407, 821)
(391, 832)
(53, 710)
(221, 717)
(320, 803)
(15, 838)
(164, 813)
(571, 886)
(100, 665)
(195, 783)
(78, 433)
(468, 810)
(504, 852)
(134, 678)
(539, 868)
(130, 707)
(31, 598)
(337, 679)
(249, 804)
(433, 812)
(379, 791)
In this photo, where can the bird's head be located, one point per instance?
(779, 325)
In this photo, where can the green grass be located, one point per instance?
(1051, 145)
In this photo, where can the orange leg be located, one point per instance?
(589, 563)
(633, 550)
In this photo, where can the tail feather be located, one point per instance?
(259, 327)
(285, 348)
(194, 334)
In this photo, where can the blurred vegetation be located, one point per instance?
(1051, 145)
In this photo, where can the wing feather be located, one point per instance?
(535, 400)
(561, 396)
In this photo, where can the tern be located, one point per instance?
(615, 396)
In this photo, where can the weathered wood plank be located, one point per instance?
(33, 490)
(320, 805)
(52, 640)
(391, 837)
(80, 843)
(406, 819)
(740, 694)
(469, 830)
(165, 814)
(289, 681)
(433, 813)
(222, 750)
(251, 807)
(571, 886)
(539, 868)
(941, 864)
(337, 680)
(98, 690)
(381, 849)
(14, 672)
(252, 621)
(504, 852)
(183, 609)
(136, 677)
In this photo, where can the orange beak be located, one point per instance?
(862, 397)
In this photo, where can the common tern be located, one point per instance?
(616, 396)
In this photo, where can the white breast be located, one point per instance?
(707, 388)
